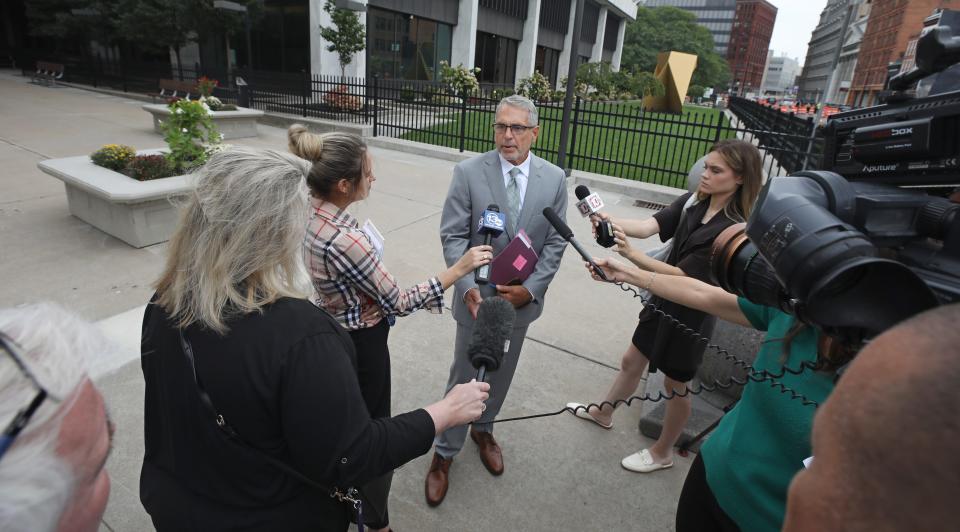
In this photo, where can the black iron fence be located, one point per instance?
(612, 138)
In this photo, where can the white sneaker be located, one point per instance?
(643, 462)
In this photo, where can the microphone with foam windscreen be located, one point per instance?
(589, 205)
(567, 235)
(491, 335)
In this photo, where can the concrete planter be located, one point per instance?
(138, 212)
(232, 124)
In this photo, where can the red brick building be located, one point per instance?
(749, 42)
(890, 28)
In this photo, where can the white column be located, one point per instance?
(597, 54)
(462, 50)
(621, 31)
(527, 50)
(569, 46)
(324, 62)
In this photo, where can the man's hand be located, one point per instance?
(516, 295)
(472, 298)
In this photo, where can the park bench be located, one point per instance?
(48, 73)
(171, 88)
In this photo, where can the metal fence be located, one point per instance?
(612, 138)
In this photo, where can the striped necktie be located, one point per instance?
(513, 200)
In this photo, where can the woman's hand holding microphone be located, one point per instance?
(464, 404)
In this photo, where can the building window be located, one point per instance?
(401, 46)
(548, 63)
(497, 58)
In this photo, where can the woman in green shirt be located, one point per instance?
(740, 478)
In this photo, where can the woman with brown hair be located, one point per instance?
(350, 280)
(730, 183)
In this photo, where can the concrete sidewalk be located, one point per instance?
(561, 473)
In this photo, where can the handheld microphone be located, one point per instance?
(491, 335)
(567, 235)
(491, 224)
(589, 205)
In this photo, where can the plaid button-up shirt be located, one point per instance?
(349, 280)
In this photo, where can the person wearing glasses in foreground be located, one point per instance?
(522, 185)
(253, 412)
(739, 480)
(56, 432)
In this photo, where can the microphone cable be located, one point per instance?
(753, 374)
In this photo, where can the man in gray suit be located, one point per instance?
(521, 184)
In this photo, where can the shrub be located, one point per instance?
(536, 87)
(147, 167)
(646, 84)
(460, 80)
(340, 98)
(430, 93)
(696, 91)
(558, 96)
(228, 107)
(113, 156)
(186, 131)
(598, 76)
(407, 93)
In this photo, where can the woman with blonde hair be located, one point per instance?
(350, 280)
(253, 411)
(728, 188)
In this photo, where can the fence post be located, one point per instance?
(96, 66)
(376, 104)
(810, 142)
(571, 153)
(123, 70)
(463, 120)
(196, 70)
(719, 129)
(304, 87)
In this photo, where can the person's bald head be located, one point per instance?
(885, 442)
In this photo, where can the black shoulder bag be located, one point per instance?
(350, 495)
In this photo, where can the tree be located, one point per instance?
(646, 84)
(162, 23)
(663, 29)
(347, 36)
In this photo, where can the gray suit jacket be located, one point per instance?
(477, 183)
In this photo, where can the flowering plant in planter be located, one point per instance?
(113, 156)
(186, 131)
(340, 98)
(206, 85)
(147, 167)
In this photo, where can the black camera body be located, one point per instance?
(862, 244)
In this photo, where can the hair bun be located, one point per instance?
(304, 144)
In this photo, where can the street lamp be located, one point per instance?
(227, 5)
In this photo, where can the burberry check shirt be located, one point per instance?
(349, 280)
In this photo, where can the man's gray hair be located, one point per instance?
(35, 482)
(521, 102)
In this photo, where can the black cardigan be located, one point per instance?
(285, 379)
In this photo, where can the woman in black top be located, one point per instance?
(280, 371)
(730, 183)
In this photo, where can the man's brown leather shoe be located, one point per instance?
(437, 479)
(490, 453)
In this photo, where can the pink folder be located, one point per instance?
(515, 263)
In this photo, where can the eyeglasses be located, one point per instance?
(13, 354)
(516, 129)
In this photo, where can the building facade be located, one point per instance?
(781, 77)
(715, 15)
(849, 52)
(507, 39)
(749, 43)
(826, 39)
(890, 26)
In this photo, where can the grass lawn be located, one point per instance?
(610, 138)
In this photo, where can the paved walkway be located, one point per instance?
(561, 473)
